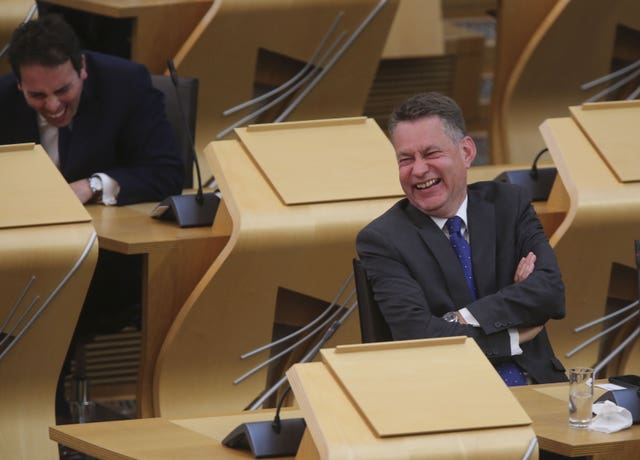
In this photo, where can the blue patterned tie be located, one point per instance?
(509, 371)
(462, 250)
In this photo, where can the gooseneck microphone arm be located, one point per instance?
(534, 167)
(188, 211)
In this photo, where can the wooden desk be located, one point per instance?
(170, 270)
(547, 407)
(160, 27)
(159, 438)
(196, 438)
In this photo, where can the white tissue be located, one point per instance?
(610, 418)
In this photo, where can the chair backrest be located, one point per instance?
(373, 327)
(187, 91)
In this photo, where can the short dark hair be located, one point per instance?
(48, 41)
(431, 104)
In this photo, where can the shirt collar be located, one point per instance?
(462, 213)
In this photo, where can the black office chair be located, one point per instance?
(373, 327)
(188, 92)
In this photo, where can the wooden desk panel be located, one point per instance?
(160, 26)
(174, 260)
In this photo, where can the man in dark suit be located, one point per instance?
(426, 287)
(97, 116)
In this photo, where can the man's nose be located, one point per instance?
(52, 104)
(420, 167)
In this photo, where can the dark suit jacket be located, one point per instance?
(416, 277)
(120, 129)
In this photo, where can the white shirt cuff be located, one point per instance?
(110, 189)
(514, 336)
(468, 317)
(514, 340)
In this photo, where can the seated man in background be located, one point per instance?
(97, 116)
(104, 126)
(455, 259)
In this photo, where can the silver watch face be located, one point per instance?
(450, 317)
(95, 183)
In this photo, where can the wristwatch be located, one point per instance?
(95, 184)
(451, 317)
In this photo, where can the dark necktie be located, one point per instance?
(462, 250)
(509, 371)
(64, 140)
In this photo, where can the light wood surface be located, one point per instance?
(160, 26)
(394, 401)
(610, 126)
(61, 207)
(416, 31)
(547, 407)
(516, 23)
(174, 260)
(573, 44)
(601, 224)
(38, 309)
(12, 13)
(349, 138)
(242, 47)
(338, 430)
(159, 439)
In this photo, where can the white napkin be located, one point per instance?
(610, 418)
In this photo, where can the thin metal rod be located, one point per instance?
(30, 14)
(54, 293)
(617, 351)
(613, 87)
(303, 329)
(634, 94)
(293, 79)
(291, 347)
(609, 316)
(21, 297)
(308, 357)
(610, 76)
(335, 58)
(531, 448)
(18, 323)
(266, 107)
(602, 334)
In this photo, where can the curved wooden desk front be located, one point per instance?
(574, 43)
(174, 260)
(602, 221)
(48, 253)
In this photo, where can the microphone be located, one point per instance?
(276, 438)
(538, 181)
(197, 210)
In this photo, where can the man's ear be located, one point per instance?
(468, 150)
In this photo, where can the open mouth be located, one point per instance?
(428, 184)
(56, 116)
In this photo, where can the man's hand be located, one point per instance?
(525, 267)
(82, 190)
(528, 333)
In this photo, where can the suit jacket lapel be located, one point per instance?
(482, 236)
(442, 252)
